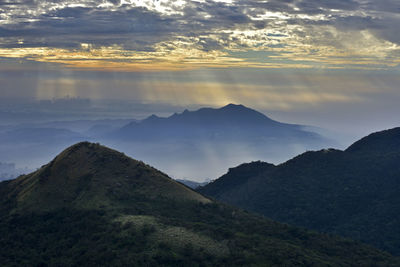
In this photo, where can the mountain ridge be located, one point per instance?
(83, 168)
(350, 192)
(93, 206)
(387, 139)
(219, 114)
(215, 137)
(231, 116)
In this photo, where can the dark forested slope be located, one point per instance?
(94, 206)
(353, 193)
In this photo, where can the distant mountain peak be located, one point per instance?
(227, 109)
(230, 112)
(239, 108)
(152, 117)
(234, 106)
(221, 129)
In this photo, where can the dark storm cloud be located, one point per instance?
(274, 5)
(134, 28)
(71, 26)
(390, 6)
(323, 6)
(309, 7)
(54, 24)
(223, 14)
(15, 3)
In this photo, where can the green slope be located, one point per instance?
(91, 176)
(94, 206)
(353, 193)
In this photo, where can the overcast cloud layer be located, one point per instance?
(167, 35)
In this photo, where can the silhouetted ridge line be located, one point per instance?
(353, 193)
(93, 206)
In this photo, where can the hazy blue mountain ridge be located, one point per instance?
(213, 137)
(231, 121)
(180, 144)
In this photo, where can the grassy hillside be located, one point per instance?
(353, 193)
(93, 177)
(93, 206)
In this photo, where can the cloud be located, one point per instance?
(190, 34)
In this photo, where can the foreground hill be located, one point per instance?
(94, 206)
(216, 137)
(354, 193)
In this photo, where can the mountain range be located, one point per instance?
(231, 121)
(215, 137)
(353, 193)
(94, 206)
(180, 144)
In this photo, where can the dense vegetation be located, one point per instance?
(94, 206)
(354, 193)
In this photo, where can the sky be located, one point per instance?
(328, 63)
